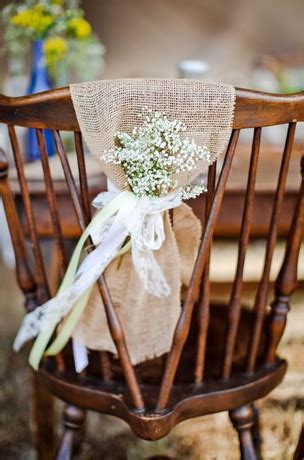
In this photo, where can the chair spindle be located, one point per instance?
(83, 219)
(86, 204)
(42, 282)
(183, 325)
(204, 302)
(52, 201)
(262, 292)
(115, 327)
(83, 180)
(25, 278)
(286, 281)
(118, 338)
(234, 306)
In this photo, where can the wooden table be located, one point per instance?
(230, 217)
(231, 213)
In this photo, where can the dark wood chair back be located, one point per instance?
(54, 110)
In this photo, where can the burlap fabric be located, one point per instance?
(103, 108)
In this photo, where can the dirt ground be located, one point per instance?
(108, 438)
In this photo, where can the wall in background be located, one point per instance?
(148, 37)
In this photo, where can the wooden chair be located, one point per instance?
(223, 357)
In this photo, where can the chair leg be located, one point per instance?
(299, 452)
(242, 419)
(73, 421)
(43, 415)
(256, 430)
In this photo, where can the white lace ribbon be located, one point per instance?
(139, 218)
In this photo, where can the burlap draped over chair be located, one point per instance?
(104, 108)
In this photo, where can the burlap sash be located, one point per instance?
(102, 109)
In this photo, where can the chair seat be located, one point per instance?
(151, 371)
(187, 399)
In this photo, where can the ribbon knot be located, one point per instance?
(146, 228)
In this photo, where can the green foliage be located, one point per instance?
(68, 38)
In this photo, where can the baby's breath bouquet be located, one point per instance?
(59, 23)
(155, 154)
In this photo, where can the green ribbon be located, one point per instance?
(43, 338)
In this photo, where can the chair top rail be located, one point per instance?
(252, 109)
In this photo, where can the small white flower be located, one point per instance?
(153, 153)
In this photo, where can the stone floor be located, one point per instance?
(108, 438)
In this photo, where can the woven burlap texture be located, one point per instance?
(103, 108)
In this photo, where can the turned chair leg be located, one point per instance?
(256, 433)
(73, 421)
(299, 452)
(43, 418)
(242, 419)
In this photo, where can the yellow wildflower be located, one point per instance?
(35, 19)
(80, 27)
(55, 49)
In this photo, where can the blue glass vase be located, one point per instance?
(39, 82)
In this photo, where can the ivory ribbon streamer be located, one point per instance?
(125, 215)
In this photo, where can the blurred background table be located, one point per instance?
(229, 221)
